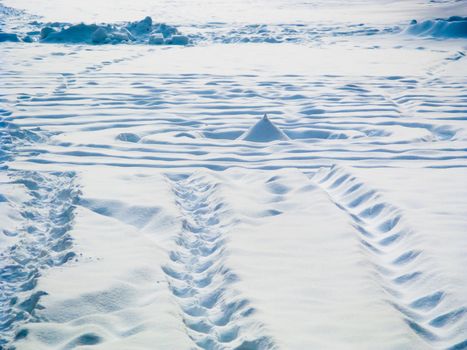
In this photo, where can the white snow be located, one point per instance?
(284, 175)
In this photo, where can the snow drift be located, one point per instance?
(264, 131)
(452, 27)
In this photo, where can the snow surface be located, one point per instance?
(290, 175)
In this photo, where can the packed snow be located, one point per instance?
(267, 174)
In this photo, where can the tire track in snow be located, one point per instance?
(404, 271)
(215, 315)
(43, 242)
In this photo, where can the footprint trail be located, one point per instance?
(216, 316)
(43, 242)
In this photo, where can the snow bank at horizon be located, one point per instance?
(452, 27)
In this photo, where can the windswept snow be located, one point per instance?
(248, 175)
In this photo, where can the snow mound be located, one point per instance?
(452, 27)
(264, 131)
(142, 32)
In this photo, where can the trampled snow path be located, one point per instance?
(215, 315)
(405, 272)
(43, 242)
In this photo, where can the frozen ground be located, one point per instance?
(146, 203)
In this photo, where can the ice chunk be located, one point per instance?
(166, 30)
(264, 131)
(99, 35)
(46, 31)
(178, 40)
(156, 39)
(89, 34)
(9, 37)
(80, 33)
(122, 36)
(143, 31)
(142, 27)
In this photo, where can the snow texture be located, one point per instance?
(256, 175)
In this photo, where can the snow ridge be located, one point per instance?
(403, 269)
(215, 315)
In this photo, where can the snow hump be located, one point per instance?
(264, 131)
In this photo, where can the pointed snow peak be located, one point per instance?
(264, 131)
